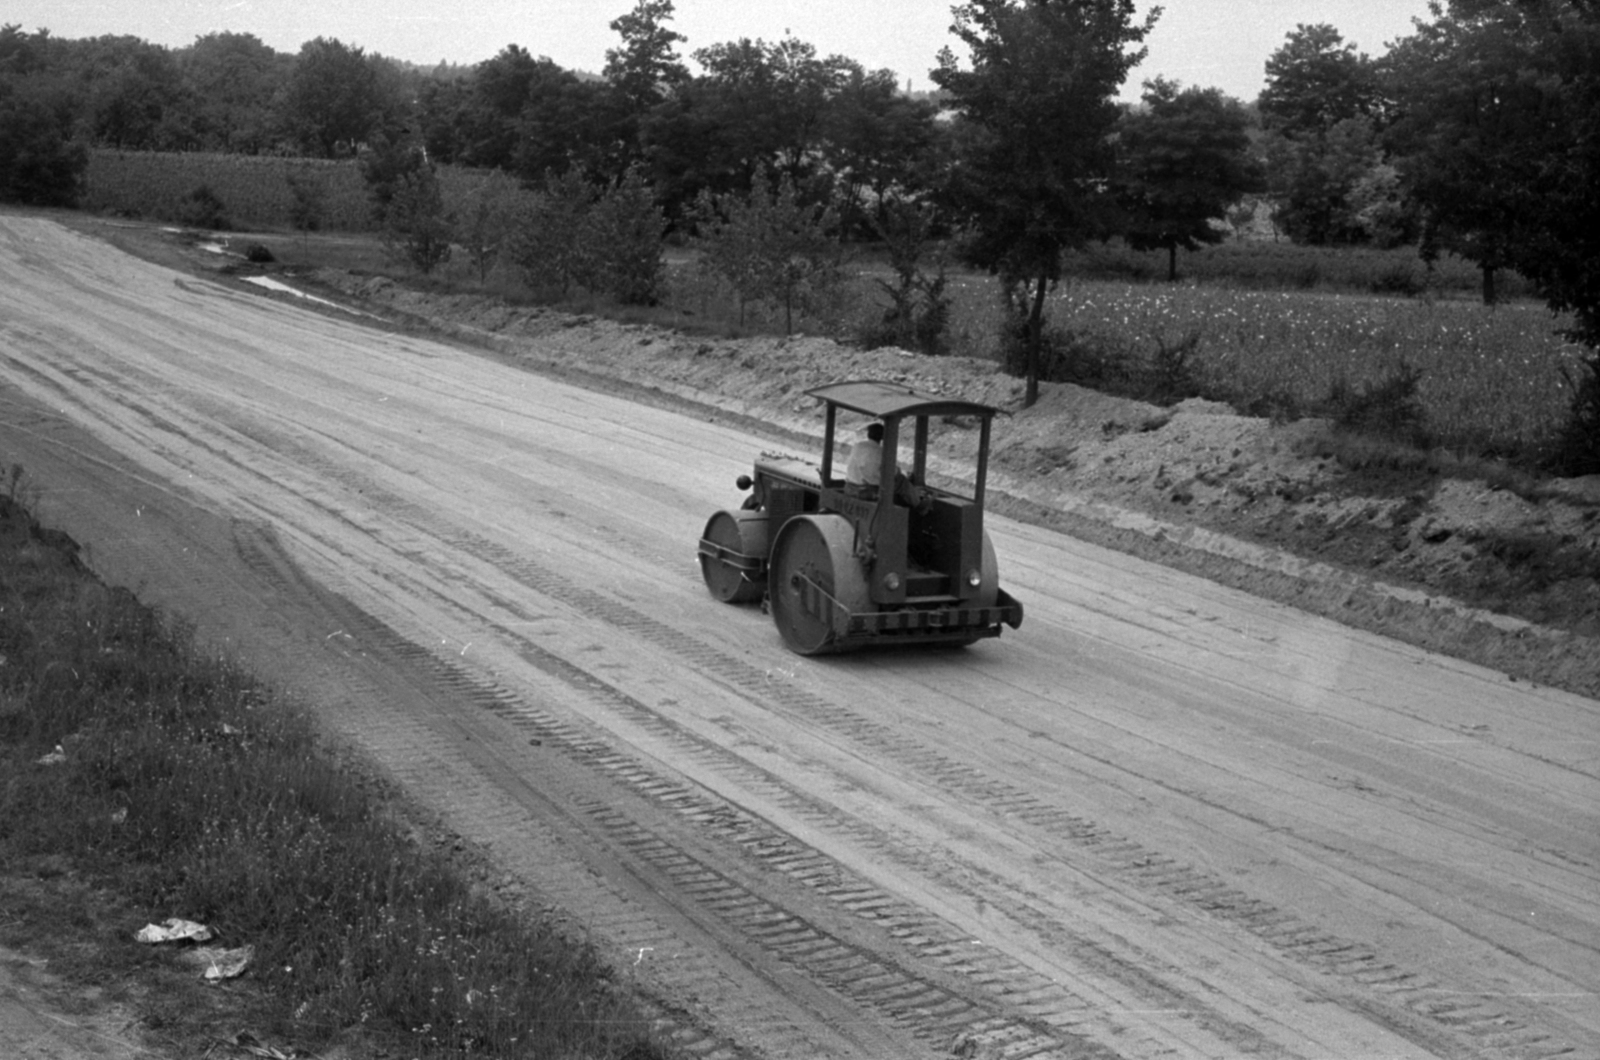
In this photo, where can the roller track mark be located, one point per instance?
(259, 550)
(1414, 995)
(1409, 1003)
(782, 853)
(918, 1002)
(1007, 997)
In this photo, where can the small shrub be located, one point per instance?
(1398, 278)
(417, 229)
(259, 253)
(604, 240)
(770, 247)
(308, 192)
(489, 215)
(1389, 408)
(1279, 404)
(385, 168)
(919, 309)
(625, 228)
(1306, 275)
(1577, 446)
(548, 244)
(1171, 376)
(203, 208)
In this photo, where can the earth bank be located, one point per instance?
(1509, 579)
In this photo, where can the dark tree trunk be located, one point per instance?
(1488, 284)
(1035, 341)
(1172, 262)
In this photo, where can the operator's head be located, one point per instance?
(875, 431)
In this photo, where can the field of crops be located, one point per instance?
(1279, 265)
(255, 191)
(1490, 376)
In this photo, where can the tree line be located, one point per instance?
(1478, 134)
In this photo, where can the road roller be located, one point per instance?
(873, 557)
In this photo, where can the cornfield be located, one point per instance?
(1491, 379)
(255, 190)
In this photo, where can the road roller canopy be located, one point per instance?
(884, 399)
(896, 403)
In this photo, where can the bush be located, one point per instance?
(203, 208)
(488, 217)
(1577, 447)
(625, 228)
(1389, 408)
(40, 163)
(919, 309)
(385, 168)
(1171, 374)
(548, 244)
(607, 241)
(259, 253)
(1398, 278)
(416, 227)
(769, 247)
(308, 192)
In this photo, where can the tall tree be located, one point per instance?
(523, 114)
(332, 101)
(1490, 110)
(1185, 158)
(756, 106)
(135, 93)
(1039, 104)
(1319, 108)
(232, 80)
(1499, 138)
(772, 100)
(875, 140)
(646, 68)
(444, 111)
(41, 162)
(1315, 181)
(1314, 81)
(565, 123)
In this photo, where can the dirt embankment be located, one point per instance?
(1505, 578)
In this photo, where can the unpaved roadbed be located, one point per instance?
(1164, 818)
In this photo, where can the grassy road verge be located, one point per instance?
(141, 779)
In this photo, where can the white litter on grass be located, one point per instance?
(252, 1045)
(174, 930)
(282, 288)
(217, 963)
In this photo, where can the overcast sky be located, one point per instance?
(1211, 43)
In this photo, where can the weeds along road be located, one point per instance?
(1161, 820)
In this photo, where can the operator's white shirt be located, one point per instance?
(866, 461)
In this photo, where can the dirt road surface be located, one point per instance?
(1163, 819)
